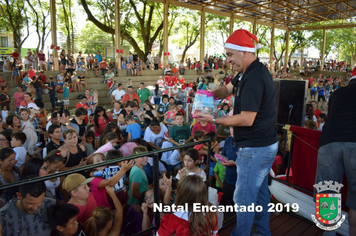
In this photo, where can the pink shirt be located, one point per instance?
(99, 193)
(19, 98)
(85, 211)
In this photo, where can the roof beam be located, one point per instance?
(217, 12)
(317, 27)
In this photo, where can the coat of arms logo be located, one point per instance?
(328, 205)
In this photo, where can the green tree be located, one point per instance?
(91, 39)
(187, 29)
(65, 22)
(297, 40)
(13, 17)
(141, 28)
(316, 40)
(345, 41)
(39, 18)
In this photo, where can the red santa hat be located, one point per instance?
(242, 40)
(353, 75)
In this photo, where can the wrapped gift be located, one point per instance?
(205, 103)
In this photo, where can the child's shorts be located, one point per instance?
(66, 102)
(15, 72)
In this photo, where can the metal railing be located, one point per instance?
(156, 174)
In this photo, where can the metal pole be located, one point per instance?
(156, 186)
(54, 34)
(272, 48)
(202, 36)
(165, 33)
(287, 48)
(117, 33)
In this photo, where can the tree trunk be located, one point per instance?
(184, 52)
(148, 40)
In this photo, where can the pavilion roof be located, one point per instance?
(292, 14)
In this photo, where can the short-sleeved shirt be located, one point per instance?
(18, 99)
(66, 92)
(144, 94)
(208, 128)
(220, 169)
(230, 151)
(118, 94)
(16, 222)
(99, 193)
(179, 133)
(138, 176)
(99, 57)
(85, 211)
(53, 86)
(135, 130)
(155, 139)
(321, 91)
(3, 97)
(256, 93)
(340, 125)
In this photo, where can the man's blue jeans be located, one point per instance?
(39, 93)
(253, 166)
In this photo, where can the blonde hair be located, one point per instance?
(98, 220)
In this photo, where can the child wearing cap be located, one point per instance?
(77, 187)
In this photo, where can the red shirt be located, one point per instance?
(102, 123)
(209, 127)
(43, 78)
(182, 111)
(31, 73)
(79, 104)
(15, 55)
(317, 112)
(178, 224)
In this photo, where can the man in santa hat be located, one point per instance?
(337, 145)
(254, 130)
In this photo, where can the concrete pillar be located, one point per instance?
(254, 27)
(52, 5)
(117, 33)
(202, 36)
(165, 32)
(322, 60)
(272, 48)
(287, 48)
(231, 27)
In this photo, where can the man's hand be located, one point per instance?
(205, 117)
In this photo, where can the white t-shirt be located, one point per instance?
(156, 139)
(20, 155)
(118, 94)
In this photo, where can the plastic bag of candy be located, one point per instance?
(205, 103)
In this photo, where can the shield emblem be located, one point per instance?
(328, 207)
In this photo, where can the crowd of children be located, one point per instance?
(118, 199)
